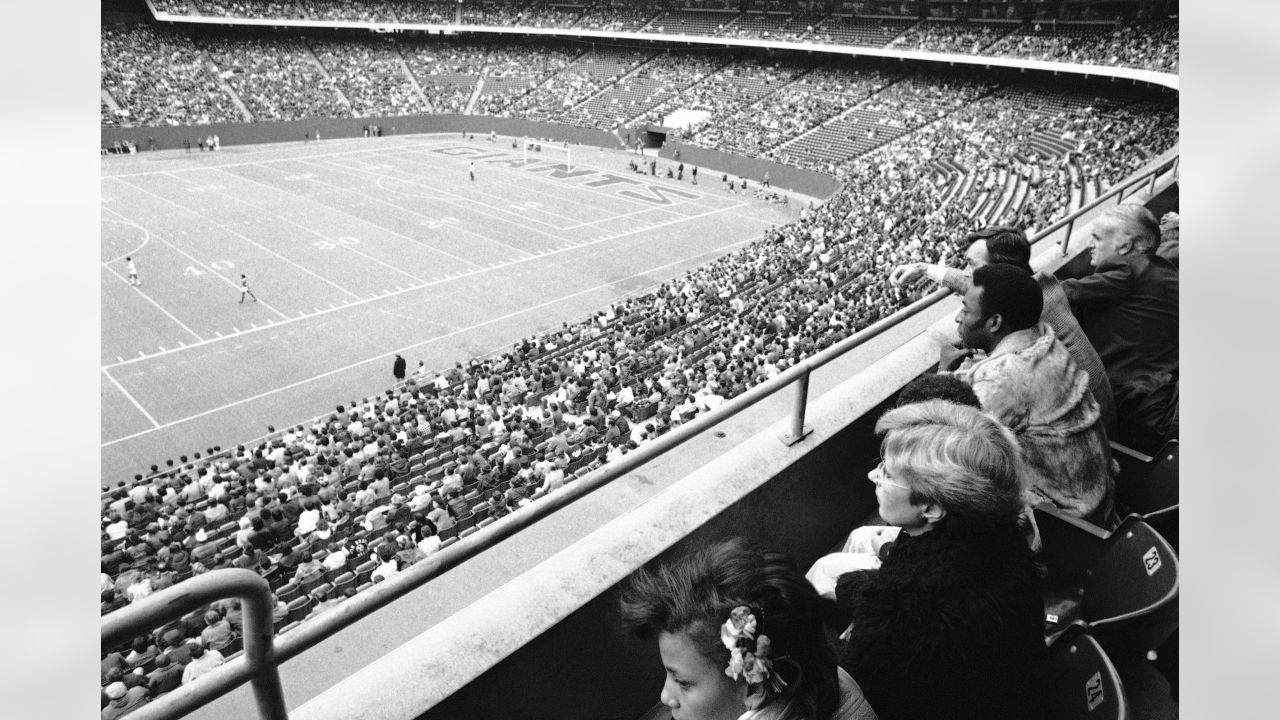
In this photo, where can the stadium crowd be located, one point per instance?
(1149, 45)
(325, 509)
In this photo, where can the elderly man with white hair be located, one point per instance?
(1128, 308)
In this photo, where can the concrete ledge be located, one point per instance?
(798, 499)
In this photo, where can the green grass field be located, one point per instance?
(356, 250)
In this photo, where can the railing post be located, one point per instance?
(1066, 239)
(1151, 187)
(259, 638)
(798, 430)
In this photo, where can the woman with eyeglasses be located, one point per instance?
(947, 622)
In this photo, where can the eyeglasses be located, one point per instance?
(879, 477)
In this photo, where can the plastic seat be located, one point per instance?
(364, 571)
(1136, 575)
(1106, 581)
(1083, 683)
(446, 543)
(468, 531)
(1147, 484)
(485, 522)
(288, 592)
(323, 588)
(299, 608)
(342, 582)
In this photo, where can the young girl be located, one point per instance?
(740, 634)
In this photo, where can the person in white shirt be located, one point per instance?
(133, 272)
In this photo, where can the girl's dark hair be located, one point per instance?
(694, 595)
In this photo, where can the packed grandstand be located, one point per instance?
(923, 153)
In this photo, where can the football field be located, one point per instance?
(357, 250)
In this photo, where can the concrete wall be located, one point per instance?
(168, 138)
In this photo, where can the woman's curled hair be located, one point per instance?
(695, 594)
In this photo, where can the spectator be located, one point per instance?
(167, 676)
(736, 590)
(122, 700)
(1027, 380)
(202, 661)
(957, 598)
(1128, 308)
(1009, 246)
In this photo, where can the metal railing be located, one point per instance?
(261, 659)
(1116, 192)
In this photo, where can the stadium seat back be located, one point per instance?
(1083, 683)
(1071, 547)
(288, 592)
(1136, 575)
(299, 608)
(1147, 485)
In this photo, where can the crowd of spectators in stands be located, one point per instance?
(160, 78)
(1152, 46)
(371, 76)
(951, 37)
(276, 78)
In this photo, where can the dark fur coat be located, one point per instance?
(950, 627)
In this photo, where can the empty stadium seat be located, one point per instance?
(1148, 485)
(288, 592)
(299, 608)
(1082, 682)
(364, 571)
(343, 581)
(1110, 581)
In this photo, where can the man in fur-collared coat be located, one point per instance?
(1028, 380)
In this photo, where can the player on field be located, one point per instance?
(472, 170)
(133, 272)
(244, 289)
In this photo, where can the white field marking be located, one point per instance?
(378, 182)
(474, 193)
(274, 147)
(157, 305)
(348, 303)
(541, 177)
(386, 230)
(614, 217)
(227, 228)
(322, 235)
(155, 425)
(126, 221)
(437, 193)
(381, 356)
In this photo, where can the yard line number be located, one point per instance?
(193, 271)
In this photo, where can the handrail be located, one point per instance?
(258, 664)
(1117, 191)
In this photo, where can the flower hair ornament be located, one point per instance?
(750, 655)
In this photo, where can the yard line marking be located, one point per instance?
(348, 303)
(218, 225)
(147, 415)
(368, 222)
(156, 304)
(381, 356)
(419, 215)
(317, 233)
